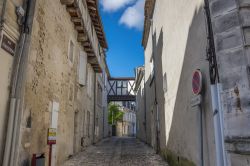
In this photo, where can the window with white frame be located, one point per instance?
(90, 78)
(71, 51)
(82, 68)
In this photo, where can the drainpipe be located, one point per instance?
(94, 107)
(11, 151)
(145, 106)
(215, 92)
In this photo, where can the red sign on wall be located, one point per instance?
(197, 82)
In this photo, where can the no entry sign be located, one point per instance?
(197, 82)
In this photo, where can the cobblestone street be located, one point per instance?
(116, 152)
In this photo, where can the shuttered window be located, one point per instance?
(71, 52)
(90, 78)
(82, 68)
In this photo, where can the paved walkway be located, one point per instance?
(117, 152)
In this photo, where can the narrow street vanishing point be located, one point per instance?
(124, 151)
(124, 82)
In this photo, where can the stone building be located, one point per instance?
(54, 76)
(181, 37)
(127, 127)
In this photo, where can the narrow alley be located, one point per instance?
(124, 82)
(124, 151)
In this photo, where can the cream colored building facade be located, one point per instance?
(175, 42)
(61, 83)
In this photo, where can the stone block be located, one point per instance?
(220, 6)
(226, 22)
(235, 77)
(232, 59)
(245, 17)
(228, 40)
(246, 32)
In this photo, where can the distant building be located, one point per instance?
(127, 126)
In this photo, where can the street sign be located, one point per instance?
(197, 82)
(195, 101)
(51, 136)
(8, 45)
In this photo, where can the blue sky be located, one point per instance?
(123, 24)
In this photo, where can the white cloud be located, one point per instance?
(114, 5)
(133, 17)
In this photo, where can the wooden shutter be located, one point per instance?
(82, 68)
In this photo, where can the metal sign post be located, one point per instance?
(196, 101)
(51, 141)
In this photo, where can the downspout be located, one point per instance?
(94, 108)
(17, 89)
(145, 106)
(215, 92)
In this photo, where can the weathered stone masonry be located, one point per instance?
(231, 22)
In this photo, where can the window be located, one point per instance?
(99, 94)
(90, 78)
(71, 51)
(82, 68)
(122, 87)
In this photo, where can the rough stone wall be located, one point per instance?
(50, 76)
(231, 21)
(178, 42)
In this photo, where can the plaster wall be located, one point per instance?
(141, 124)
(177, 41)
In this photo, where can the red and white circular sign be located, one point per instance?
(197, 82)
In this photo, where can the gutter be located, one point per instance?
(145, 107)
(94, 108)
